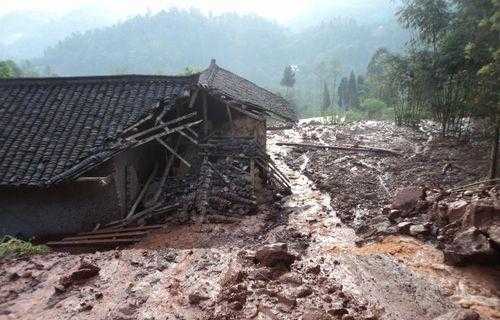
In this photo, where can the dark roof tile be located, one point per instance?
(228, 84)
(51, 125)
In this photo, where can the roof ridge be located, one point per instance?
(91, 79)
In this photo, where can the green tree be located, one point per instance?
(429, 17)
(288, 79)
(353, 94)
(343, 94)
(325, 106)
(9, 69)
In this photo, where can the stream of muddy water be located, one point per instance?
(400, 277)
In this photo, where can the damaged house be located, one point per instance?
(78, 152)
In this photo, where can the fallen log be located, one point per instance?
(346, 148)
(107, 230)
(92, 242)
(110, 235)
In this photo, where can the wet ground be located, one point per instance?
(210, 271)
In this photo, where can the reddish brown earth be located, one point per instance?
(301, 261)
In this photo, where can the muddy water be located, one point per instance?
(400, 277)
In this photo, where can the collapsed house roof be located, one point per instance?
(233, 87)
(54, 129)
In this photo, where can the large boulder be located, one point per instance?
(481, 214)
(456, 210)
(407, 199)
(275, 255)
(470, 245)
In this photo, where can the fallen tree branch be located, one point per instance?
(333, 147)
(473, 184)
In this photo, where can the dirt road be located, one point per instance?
(227, 271)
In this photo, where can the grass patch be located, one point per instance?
(13, 246)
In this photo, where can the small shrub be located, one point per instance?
(10, 245)
(341, 117)
(374, 108)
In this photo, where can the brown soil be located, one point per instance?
(209, 271)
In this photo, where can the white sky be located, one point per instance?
(279, 10)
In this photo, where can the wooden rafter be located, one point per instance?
(143, 192)
(172, 151)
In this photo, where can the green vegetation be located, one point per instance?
(9, 69)
(10, 245)
(450, 72)
(375, 109)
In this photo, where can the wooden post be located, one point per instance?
(230, 116)
(193, 98)
(143, 191)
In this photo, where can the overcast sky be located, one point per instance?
(279, 10)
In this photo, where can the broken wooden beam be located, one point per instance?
(334, 147)
(185, 135)
(110, 235)
(166, 132)
(149, 212)
(108, 230)
(138, 123)
(163, 125)
(245, 112)
(143, 192)
(193, 98)
(168, 165)
(93, 242)
(172, 151)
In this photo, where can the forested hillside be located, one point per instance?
(259, 49)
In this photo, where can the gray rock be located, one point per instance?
(196, 298)
(468, 245)
(415, 230)
(274, 255)
(407, 198)
(494, 234)
(404, 227)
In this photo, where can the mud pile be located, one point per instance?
(465, 225)
(379, 194)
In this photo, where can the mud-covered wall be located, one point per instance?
(76, 206)
(244, 126)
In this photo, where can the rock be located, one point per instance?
(494, 234)
(291, 278)
(302, 292)
(314, 315)
(459, 315)
(407, 199)
(481, 214)
(404, 227)
(456, 210)
(84, 271)
(196, 298)
(314, 270)
(469, 245)
(418, 229)
(274, 255)
(338, 311)
(14, 276)
(394, 214)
